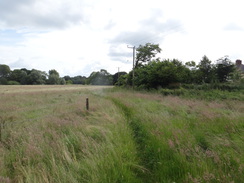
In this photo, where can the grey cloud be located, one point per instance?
(117, 55)
(133, 38)
(152, 30)
(25, 13)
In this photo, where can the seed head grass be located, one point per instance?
(47, 135)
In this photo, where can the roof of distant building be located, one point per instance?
(239, 65)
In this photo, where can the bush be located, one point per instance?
(3, 81)
(13, 83)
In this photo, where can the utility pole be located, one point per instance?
(133, 73)
(118, 75)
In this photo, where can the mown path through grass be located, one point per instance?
(140, 137)
(153, 156)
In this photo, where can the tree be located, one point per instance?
(53, 71)
(100, 78)
(4, 71)
(190, 64)
(146, 52)
(26, 70)
(3, 81)
(79, 80)
(53, 77)
(161, 74)
(18, 75)
(75, 80)
(116, 76)
(224, 68)
(205, 72)
(36, 77)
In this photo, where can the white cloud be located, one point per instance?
(77, 37)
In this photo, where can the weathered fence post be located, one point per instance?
(87, 104)
(0, 131)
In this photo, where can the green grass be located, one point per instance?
(48, 136)
(204, 95)
(187, 140)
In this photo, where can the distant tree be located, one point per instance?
(62, 81)
(75, 80)
(3, 81)
(79, 80)
(224, 68)
(146, 52)
(18, 76)
(26, 70)
(191, 64)
(117, 75)
(53, 77)
(123, 80)
(37, 77)
(205, 72)
(53, 71)
(67, 78)
(68, 82)
(100, 78)
(161, 74)
(4, 71)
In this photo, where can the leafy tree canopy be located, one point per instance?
(224, 68)
(101, 77)
(146, 52)
(53, 72)
(4, 70)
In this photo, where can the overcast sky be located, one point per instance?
(77, 37)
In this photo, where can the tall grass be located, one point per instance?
(188, 140)
(52, 138)
(126, 136)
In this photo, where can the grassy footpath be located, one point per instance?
(126, 136)
(182, 140)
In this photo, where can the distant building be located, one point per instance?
(240, 66)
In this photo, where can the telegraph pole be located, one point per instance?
(133, 73)
(118, 73)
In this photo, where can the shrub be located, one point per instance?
(13, 83)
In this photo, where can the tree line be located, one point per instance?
(37, 77)
(149, 72)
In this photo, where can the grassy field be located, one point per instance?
(47, 135)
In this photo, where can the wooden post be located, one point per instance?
(87, 104)
(0, 131)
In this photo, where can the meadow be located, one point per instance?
(47, 135)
